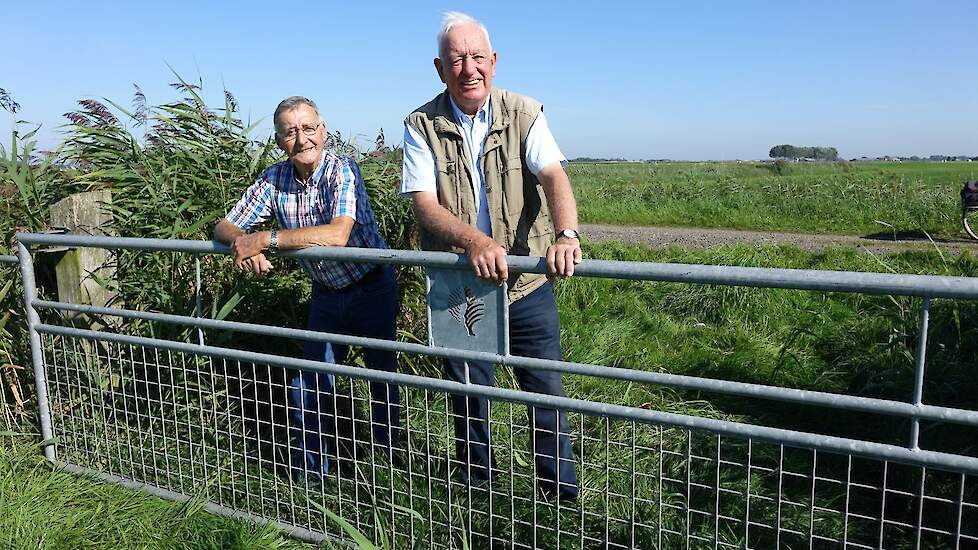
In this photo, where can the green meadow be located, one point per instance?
(820, 197)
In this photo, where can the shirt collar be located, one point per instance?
(484, 114)
(316, 174)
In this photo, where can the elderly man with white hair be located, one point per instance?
(318, 199)
(486, 178)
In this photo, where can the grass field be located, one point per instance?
(840, 198)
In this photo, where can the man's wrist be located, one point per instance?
(273, 241)
(569, 234)
(480, 239)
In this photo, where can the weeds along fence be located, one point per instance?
(12, 393)
(191, 420)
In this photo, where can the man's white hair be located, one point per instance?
(454, 19)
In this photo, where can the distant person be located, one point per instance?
(318, 199)
(486, 178)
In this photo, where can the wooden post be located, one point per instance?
(86, 275)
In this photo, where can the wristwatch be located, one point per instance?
(273, 242)
(569, 234)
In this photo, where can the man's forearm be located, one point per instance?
(438, 221)
(335, 233)
(225, 232)
(560, 197)
(487, 258)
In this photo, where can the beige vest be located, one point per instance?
(517, 204)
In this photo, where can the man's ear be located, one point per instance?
(438, 69)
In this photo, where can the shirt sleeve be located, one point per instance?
(255, 206)
(345, 195)
(541, 147)
(418, 168)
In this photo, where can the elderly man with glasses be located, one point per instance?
(318, 199)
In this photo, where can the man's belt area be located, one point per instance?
(370, 277)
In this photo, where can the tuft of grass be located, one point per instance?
(47, 508)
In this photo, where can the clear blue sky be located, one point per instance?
(683, 80)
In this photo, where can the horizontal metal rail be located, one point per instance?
(925, 458)
(932, 286)
(8, 259)
(806, 397)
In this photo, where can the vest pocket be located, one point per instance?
(447, 168)
(509, 163)
(447, 181)
(540, 235)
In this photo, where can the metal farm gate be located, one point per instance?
(182, 418)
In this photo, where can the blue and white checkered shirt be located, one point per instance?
(335, 189)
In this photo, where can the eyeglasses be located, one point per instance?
(292, 133)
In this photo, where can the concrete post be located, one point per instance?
(86, 275)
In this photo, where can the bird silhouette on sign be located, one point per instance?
(466, 308)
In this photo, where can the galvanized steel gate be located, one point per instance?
(189, 420)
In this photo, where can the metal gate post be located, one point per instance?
(197, 298)
(918, 390)
(40, 380)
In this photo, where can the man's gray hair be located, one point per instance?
(291, 103)
(453, 19)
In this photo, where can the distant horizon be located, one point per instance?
(684, 81)
(920, 158)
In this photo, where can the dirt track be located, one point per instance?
(696, 238)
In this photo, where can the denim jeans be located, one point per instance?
(366, 308)
(534, 331)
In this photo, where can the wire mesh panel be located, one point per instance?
(224, 431)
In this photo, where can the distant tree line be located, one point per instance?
(597, 159)
(793, 152)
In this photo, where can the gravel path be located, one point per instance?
(698, 238)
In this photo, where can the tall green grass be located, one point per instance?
(836, 342)
(844, 198)
(44, 508)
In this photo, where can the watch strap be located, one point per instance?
(273, 241)
(569, 234)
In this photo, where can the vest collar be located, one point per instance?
(444, 121)
(484, 112)
(501, 118)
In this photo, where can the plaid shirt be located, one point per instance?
(335, 189)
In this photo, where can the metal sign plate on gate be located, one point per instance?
(465, 312)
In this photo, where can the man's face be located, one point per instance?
(302, 135)
(467, 66)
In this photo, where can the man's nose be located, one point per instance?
(468, 66)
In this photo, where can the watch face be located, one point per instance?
(570, 234)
